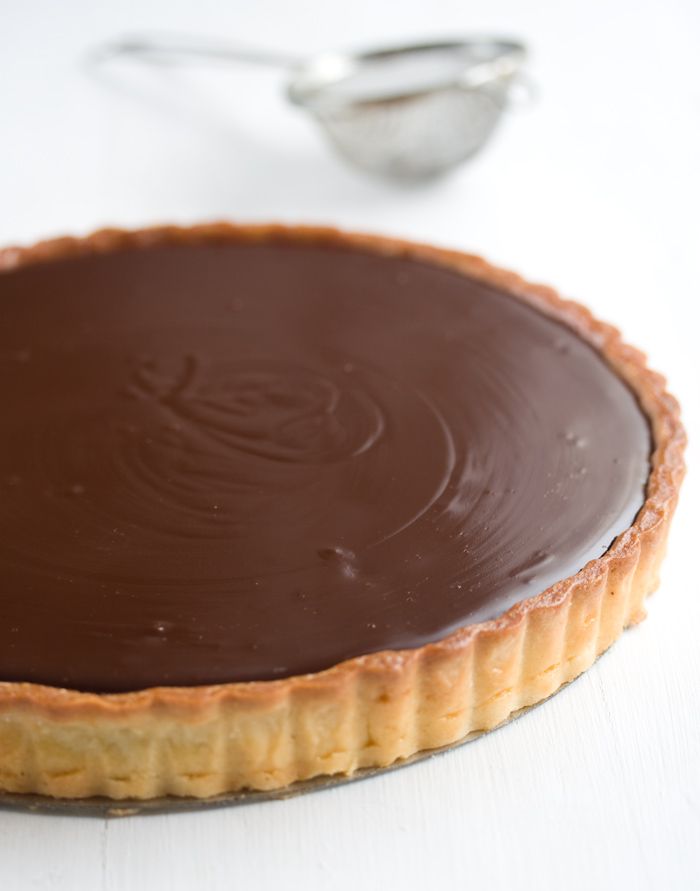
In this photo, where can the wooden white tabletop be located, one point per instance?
(595, 189)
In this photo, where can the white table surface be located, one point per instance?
(596, 190)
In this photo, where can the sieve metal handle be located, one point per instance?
(169, 49)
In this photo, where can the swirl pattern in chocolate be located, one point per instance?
(243, 461)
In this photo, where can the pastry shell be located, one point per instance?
(369, 711)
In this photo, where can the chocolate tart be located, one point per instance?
(280, 503)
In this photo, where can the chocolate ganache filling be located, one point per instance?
(236, 461)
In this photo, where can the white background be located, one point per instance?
(596, 190)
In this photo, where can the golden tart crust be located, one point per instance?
(369, 711)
